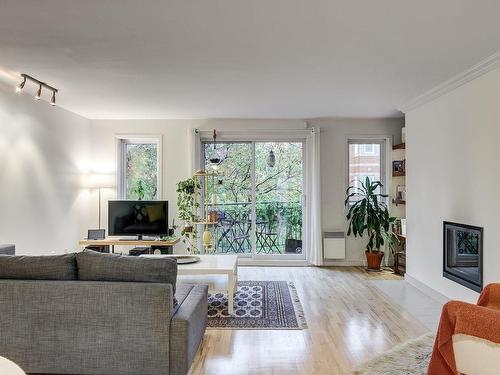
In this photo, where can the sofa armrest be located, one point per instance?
(86, 327)
(187, 329)
(7, 249)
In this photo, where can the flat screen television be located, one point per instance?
(137, 218)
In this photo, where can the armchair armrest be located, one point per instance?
(490, 297)
(464, 319)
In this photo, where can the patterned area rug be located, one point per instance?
(258, 305)
(409, 358)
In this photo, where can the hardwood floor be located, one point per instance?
(349, 321)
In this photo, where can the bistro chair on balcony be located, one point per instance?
(267, 238)
(232, 236)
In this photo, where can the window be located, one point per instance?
(139, 168)
(366, 158)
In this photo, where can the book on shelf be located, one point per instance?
(399, 227)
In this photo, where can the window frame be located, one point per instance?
(385, 144)
(121, 141)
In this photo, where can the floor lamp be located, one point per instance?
(100, 181)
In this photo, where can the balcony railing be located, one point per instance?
(278, 228)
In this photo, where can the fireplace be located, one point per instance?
(463, 254)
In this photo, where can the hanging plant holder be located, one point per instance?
(271, 159)
(215, 158)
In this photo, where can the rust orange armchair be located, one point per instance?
(468, 337)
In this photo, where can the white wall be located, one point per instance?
(176, 158)
(334, 135)
(43, 152)
(453, 159)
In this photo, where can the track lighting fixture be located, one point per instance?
(40, 85)
(21, 85)
(38, 93)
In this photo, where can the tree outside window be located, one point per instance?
(139, 169)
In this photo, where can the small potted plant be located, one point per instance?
(368, 213)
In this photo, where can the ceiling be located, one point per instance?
(244, 59)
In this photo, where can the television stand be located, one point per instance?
(139, 238)
(112, 242)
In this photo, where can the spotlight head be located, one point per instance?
(21, 85)
(39, 93)
(53, 100)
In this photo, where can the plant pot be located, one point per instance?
(187, 229)
(212, 216)
(293, 246)
(374, 259)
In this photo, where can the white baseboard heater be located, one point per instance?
(333, 245)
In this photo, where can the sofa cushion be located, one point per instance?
(94, 266)
(46, 267)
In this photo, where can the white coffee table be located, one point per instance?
(8, 367)
(209, 270)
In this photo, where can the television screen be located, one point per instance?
(137, 218)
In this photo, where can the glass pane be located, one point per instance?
(233, 204)
(278, 190)
(364, 161)
(141, 171)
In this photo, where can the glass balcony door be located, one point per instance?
(259, 197)
(279, 190)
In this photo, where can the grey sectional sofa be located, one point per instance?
(7, 249)
(101, 314)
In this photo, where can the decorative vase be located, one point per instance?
(374, 260)
(207, 238)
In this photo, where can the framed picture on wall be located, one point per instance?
(398, 168)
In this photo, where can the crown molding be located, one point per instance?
(487, 65)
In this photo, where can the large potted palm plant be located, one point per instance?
(367, 212)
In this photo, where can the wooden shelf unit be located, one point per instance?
(399, 205)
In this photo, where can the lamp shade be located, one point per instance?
(100, 180)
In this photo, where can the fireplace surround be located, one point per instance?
(463, 254)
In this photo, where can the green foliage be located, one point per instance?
(141, 169)
(281, 183)
(369, 213)
(187, 204)
(186, 201)
(190, 240)
(139, 190)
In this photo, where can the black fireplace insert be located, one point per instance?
(463, 254)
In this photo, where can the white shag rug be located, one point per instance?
(409, 358)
